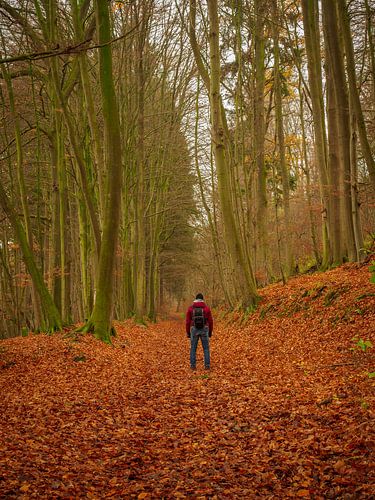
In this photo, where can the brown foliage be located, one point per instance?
(286, 412)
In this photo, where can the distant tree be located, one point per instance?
(244, 279)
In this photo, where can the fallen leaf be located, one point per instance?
(303, 493)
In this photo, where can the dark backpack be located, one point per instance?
(198, 318)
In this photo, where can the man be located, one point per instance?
(199, 325)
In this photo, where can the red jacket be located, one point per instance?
(207, 316)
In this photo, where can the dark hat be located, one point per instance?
(199, 296)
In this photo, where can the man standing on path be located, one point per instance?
(199, 325)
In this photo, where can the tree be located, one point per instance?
(244, 279)
(52, 319)
(343, 19)
(289, 264)
(259, 131)
(335, 63)
(100, 320)
(311, 30)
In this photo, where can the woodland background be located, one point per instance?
(178, 147)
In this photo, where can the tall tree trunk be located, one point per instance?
(140, 229)
(354, 95)
(289, 258)
(54, 278)
(100, 322)
(246, 294)
(86, 188)
(84, 260)
(8, 279)
(354, 183)
(63, 192)
(90, 108)
(334, 47)
(246, 288)
(310, 11)
(306, 170)
(371, 44)
(336, 231)
(214, 235)
(259, 134)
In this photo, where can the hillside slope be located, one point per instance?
(287, 410)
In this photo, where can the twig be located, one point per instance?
(335, 365)
(71, 49)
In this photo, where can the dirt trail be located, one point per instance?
(286, 412)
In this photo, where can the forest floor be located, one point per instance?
(287, 410)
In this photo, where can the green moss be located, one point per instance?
(330, 297)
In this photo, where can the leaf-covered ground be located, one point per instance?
(286, 412)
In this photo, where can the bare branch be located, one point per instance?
(58, 51)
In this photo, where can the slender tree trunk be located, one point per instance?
(310, 11)
(336, 232)
(90, 107)
(235, 149)
(278, 238)
(246, 288)
(259, 133)
(8, 278)
(51, 314)
(289, 258)
(23, 191)
(62, 193)
(87, 191)
(371, 44)
(354, 95)
(306, 171)
(54, 278)
(214, 235)
(127, 268)
(354, 184)
(83, 247)
(153, 278)
(140, 229)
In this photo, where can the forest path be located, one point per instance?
(134, 419)
(285, 412)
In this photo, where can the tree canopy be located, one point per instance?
(151, 149)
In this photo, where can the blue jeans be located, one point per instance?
(195, 335)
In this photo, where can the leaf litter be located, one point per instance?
(286, 412)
